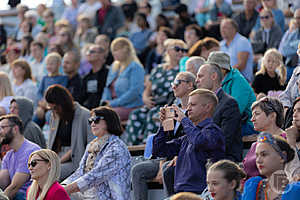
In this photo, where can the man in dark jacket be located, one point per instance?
(227, 114)
(23, 107)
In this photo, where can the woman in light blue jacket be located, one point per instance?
(125, 82)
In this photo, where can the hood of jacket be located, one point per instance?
(25, 107)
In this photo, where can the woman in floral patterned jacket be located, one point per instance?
(104, 170)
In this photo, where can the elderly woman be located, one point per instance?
(125, 82)
(156, 94)
(44, 167)
(23, 84)
(104, 171)
(267, 116)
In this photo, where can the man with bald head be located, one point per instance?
(227, 115)
(289, 45)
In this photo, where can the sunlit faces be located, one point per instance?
(260, 120)
(14, 108)
(161, 37)
(268, 160)
(190, 37)
(180, 86)
(197, 108)
(227, 30)
(6, 132)
(69, 65)
(99, 129)
(266, 19)
(173, 53)
(120, 53)
(270, 63)
(204, 79)
(52, 66)
(218, 186)
(38, 167)
(94, 54)
(296, 115)
(18, 72)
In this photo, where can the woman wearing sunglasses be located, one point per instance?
(156, 94)
(272, 154)
(104, 171)
(267, 115)
(44, 167)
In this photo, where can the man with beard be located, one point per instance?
(14, 174)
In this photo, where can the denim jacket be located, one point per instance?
(110, 176)
(129, 86)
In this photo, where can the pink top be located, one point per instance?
(57, 192)
(249, 161)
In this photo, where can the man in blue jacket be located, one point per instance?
(203, 140)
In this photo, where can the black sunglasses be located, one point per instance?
(177, 49)
(33, 163)
(178, 82)
(265, 17)
(95, 119)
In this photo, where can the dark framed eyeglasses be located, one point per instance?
(95, 119)
(264, 17)
(177, 82)
(33, 163)
(177, 49)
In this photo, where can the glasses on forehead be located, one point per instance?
(177, 82)
(95, 119)
(33, 163)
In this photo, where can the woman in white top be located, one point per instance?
(23, 84)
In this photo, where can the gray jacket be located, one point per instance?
(32, 131)
(81, 134)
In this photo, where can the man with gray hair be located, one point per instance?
(235, 84)
(193, 64)
(32, 17)
(227, 114)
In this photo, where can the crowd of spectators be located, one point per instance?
(188, 79)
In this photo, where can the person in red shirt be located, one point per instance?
(44, 167)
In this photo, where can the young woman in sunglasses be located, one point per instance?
(44, 167)
(272, 154)
(104, 171)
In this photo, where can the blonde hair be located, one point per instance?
(275, 54)
(171, 42)
(185, 196)
(122, 42)
(5, 86)
(208, 95)
(54, 173)
(54, 56)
